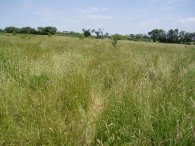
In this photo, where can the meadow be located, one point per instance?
(70, 91)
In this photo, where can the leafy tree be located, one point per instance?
(162, 36)
(50, 30)
(106, 35)
(156, 34)
(86, 32)
(187, 38)
(70, 34)
(172, 36)
(182, 35)
(40, 30)
(99, 33)
(138, 37)
(47, 30)
(11, 29)
(28, 30)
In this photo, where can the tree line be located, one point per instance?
(156, 35)
(28, 30)
(171, 36)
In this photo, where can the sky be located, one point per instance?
(113, 16)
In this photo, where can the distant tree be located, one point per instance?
(99, 33)
(192, 35)
(93, 31)
(27, 30)
(120, 37)
(70, 34)
(47, 30)
(40, 30)
(173, 36)
(86, 32)
(187, 37)
(1, 30)
(154, 34)
(50, 30)
(181, 37)
(162, 36)
(106, 35)
(11, 29)
(158, 35)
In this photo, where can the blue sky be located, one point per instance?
(114, 16)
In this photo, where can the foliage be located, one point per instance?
(156, 35)
(11, 29)
(47, 30)
(172, 36)
(86, 32)
(28, 30)
(99, 33)
(139, 37)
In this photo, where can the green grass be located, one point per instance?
(69, 91)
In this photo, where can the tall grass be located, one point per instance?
(68, 91)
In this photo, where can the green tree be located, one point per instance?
(50, 30)
(86, 32)
(155, 34)
(173, 36)
(47, 30)
(182, 36)
(27, 30)
(162, 36)
(40, 30)
(99, 33)
(11, 29)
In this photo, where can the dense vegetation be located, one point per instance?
(172, 36)
(28, 30)
(156, 35)
(69, 91)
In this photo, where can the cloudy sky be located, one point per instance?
(114, 16)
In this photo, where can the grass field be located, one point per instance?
(69, 91)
